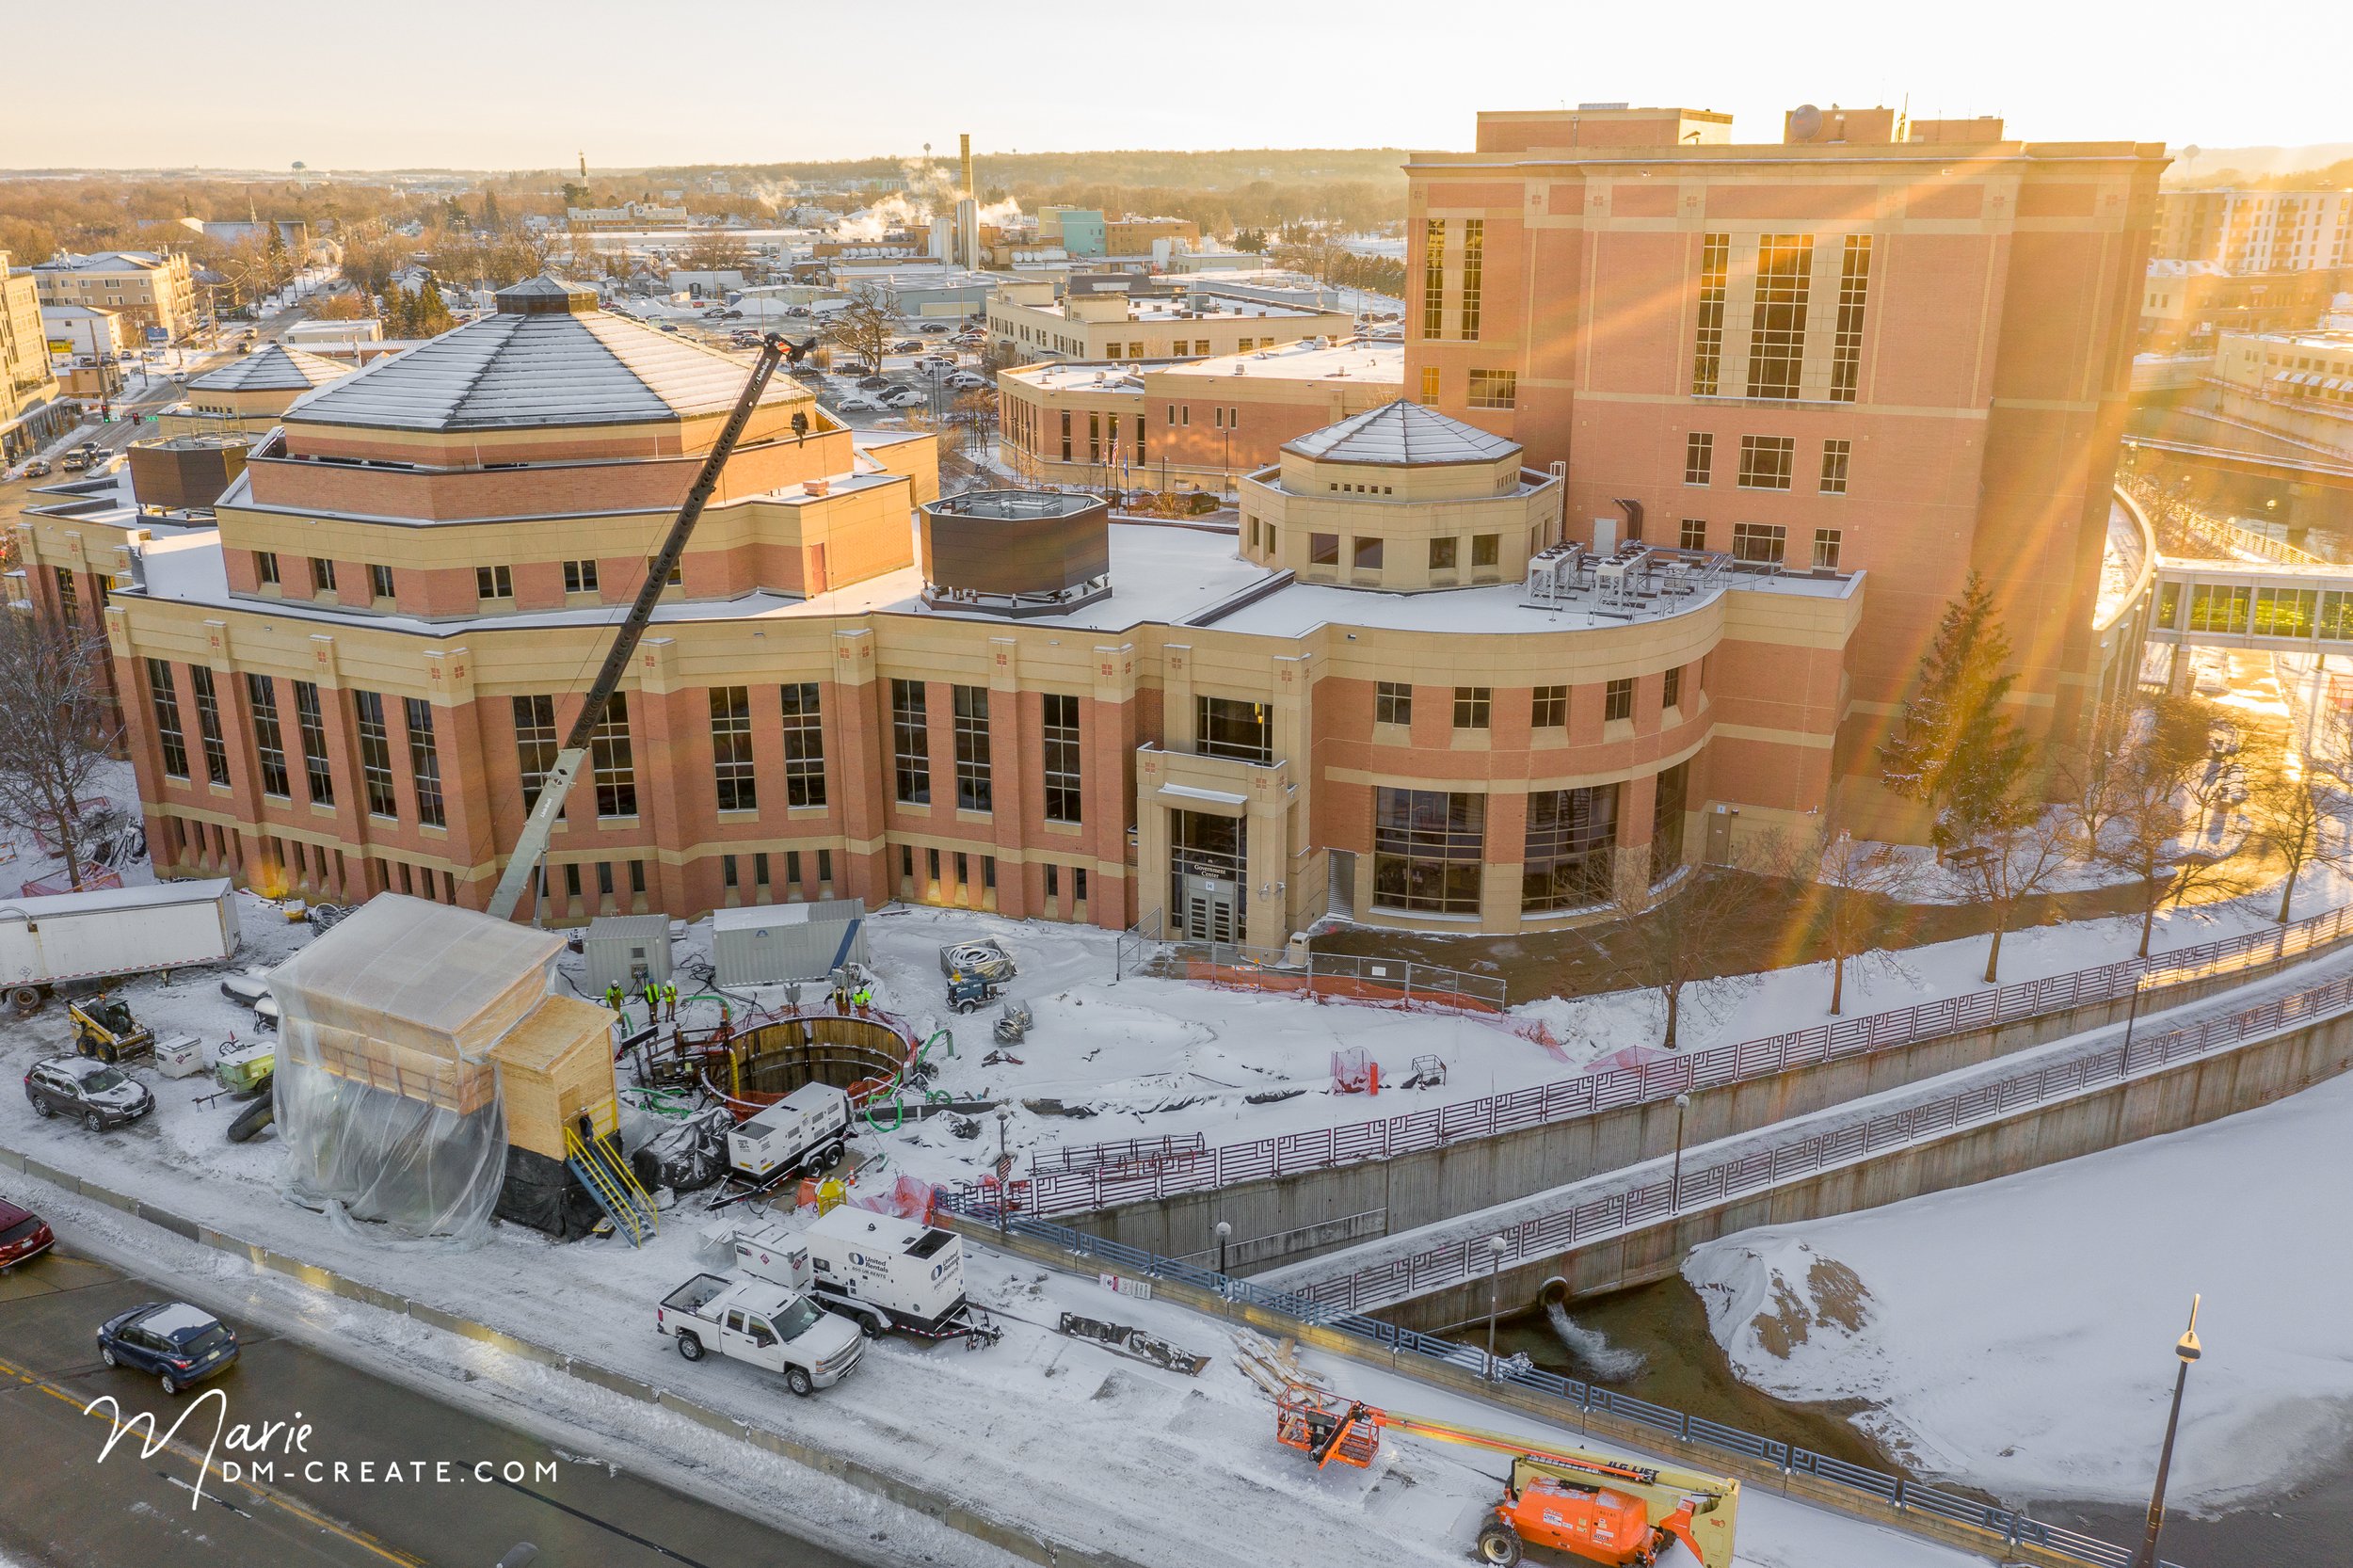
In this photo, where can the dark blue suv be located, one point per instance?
(182, 1345)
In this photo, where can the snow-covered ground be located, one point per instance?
(2018, 1335)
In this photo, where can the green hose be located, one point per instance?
(897, 1112)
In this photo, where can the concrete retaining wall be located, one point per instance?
(2186, 1094)
(1287, 1219)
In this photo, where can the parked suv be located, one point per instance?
(23, 1236)
(94, 1091)
(182, 1345)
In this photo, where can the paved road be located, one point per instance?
(65, 1509)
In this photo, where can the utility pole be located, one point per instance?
(1683, 1104)
(1004, 1176)
(1496, 1247)
(2188, 1349)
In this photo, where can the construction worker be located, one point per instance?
(864, 998)
(653, 1000)
(612, 996)
(669, 1000)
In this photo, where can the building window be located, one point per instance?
(311, 723)
(375, 753)
(1065, 435)
(1617, 700)
(1442, 553)
(1474, 261)
(1473, 706)
(265, 567)
(1767, 461)
(1550, 708)
(1495, 389)
(580, 577)
(1232, 727)
(1572, 846)
(1694, 533)
(208, 724)
(910, 742)
(1777, 328)
(1324, 549)
(1426, 849)
(1707, 351)
(1671, 691)
(269, 741)
(1486, 550)
(1392, 702)
(1834, 455)
(66, 599)
(728, 873)
(1429, 386)
(493, 582)
(1699, 457)
(536, 744)
(1434, 279)
(609, 759)
(572, 879)
(731, 748)
(825, 868)
(1665, 830)
(804, 744)
(322, 575)
(1758, 543)
(166, 699)
(1855, 287)
(1366, 553)
(424, 760)
(974, 789)
(1062, 757)
(1826, 549)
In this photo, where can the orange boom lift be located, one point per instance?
(1589, 1505)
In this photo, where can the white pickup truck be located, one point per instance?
(765, 1323)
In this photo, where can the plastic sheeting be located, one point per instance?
(387, 1097)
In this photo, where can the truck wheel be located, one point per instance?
(24, 999)
(690, 1346)
(1500, 1546)
(93, 1121)
(828, 1157)
(796, 1379)
(966, 1005)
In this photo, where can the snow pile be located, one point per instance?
(2017, 1336)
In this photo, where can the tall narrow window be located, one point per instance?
(1777, 326)
(380, 582)
(311, 723)
(424, 760)
(1061, 718)
(375, 753)
(1474, 261)
(731, 748)
(1429, 386)
(1572, 842)
(68, 601)
(1434, 279)
(1426, 850)
(1854, 288)
(167, 731)
(610, 759)
(1699, 457)
(269, 740)
(536, 744)
(1834, 455)
(1707, 349)
(322, 575)
(974, 791)
(910, 742)
(208, 724)
(804, 746)
(265, 567)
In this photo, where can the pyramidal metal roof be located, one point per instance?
(275, 368)
(547, 358)
(1402, 434)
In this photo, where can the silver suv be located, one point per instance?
(96, 1092)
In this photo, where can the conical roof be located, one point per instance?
(273, 368)
(548, 357)
(1402, 435)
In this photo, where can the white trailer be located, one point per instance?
(878, 1270)
(802, 1131)
(112, 932)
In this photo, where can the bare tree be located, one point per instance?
(863, 329)
(55, 731)
(2008, 864)
(1678, 933)
(1856, 879)
(2300, 814)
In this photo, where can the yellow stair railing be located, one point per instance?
(614, 1185)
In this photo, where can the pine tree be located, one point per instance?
(428, 312)
(492, 220)
(1954, 747)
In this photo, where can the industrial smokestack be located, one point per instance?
(964, 144)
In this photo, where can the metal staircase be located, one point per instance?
(612, 1184)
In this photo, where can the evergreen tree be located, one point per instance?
(276, 265)
(431, 312)
(492, 220)
(1954, 747)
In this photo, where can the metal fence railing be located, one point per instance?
(1348, 975)
(1110, 1184)
(1573, 1396)
(1636, 1208)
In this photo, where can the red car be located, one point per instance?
(23, 1236)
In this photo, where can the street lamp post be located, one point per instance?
(1224, 1231)
(2188, 1349)
(1683, 1104)
(1496, 1247)
(1004, 1174)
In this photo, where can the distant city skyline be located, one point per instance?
(496, 87)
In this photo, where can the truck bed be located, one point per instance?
(696, 1293)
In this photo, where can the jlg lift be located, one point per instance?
(1589, 1505)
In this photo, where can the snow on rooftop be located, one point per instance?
(274, 368)
(1307, 360)
(1402, 433)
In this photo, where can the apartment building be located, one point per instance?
(2185, 306)
(354, 676)
(2257, 230)
(1027, 322)
(30, 413)
(2296, 384)
(1899, 346)
(149, 290)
